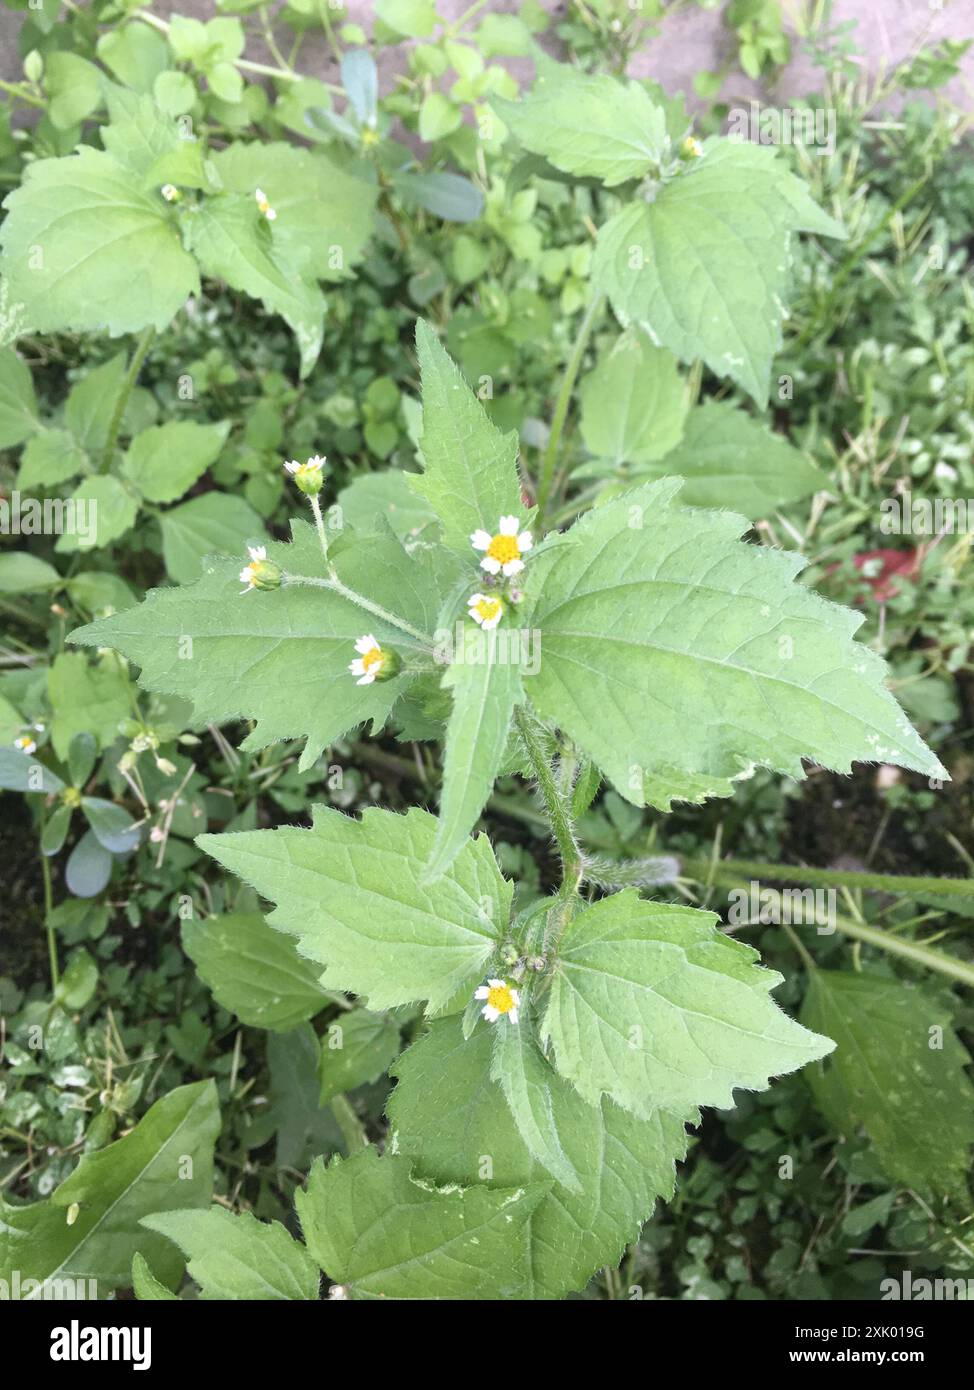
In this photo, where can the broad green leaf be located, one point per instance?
(415, 18)
(301, 1128)
(105, 508)
(85, 249)
(18, 404)
(146, 1286)
(350, 891)
(380, 1233)
(374, 498)
(235, 1257)
(89, 867)
(74, 88)
(135, 54)
(49, 458)
(166, 1162)
(165, 461)
(139, 136)
(233, 242)
(525, 1079)
(703, 267)
(678, 657)
(633, 403)
(899, 1072)
(279, 657)
(215, 524)
(113, 826)
(449, 1116)
(593, 126)
(90, 405)
(654, 1007)
(470, 476)
(486, 683)
(356, 1048)
(24, 573)
(19, 772)
(324, 215)
(254, 971)
(730, 460)
(86, 698)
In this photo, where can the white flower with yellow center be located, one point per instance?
(26, 744)
(170, 192)
(370, 662)
(263, 206)
(309, 476)
(692, 148)
(503, 550)
(500, 998)
(485, 609)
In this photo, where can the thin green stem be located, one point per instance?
(572, 368)
(124, 392)
(914, 951)
(319, 525)
(48, 925)
(337, 587)
(699, 869)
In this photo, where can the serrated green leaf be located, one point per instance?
(350, 891)
(324, 215)
(235, 1257)
(146, 1286)
(677, 657)
(652, 1006)
(373, 499)
(49, 458)
(85, 249)
(234, 243)
(730, 460)
(486, 686)
(355, 1049)
(18, 404)
(86, 698)
(108, 509)
(381, 1233)
(470, 475)
(633, 403)
(525, 1079)
(899, 1073)
(451, 1118)
(214, 524)
(279, 657)
(593, 126)
(254, 971)
(165, 461)
(703, 267)
(164, 1163)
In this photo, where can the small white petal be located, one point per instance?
(525, 540)
(293, 466)
(367, 679)
(513, 1015)
(488, 623)
(357, 667)
(490, 564)
(508, 525)
(491, 1014)
(480, 540)
(497, 984)
(366, 644)
(513, 567)
(271, 215)
(257, 552)
(481, 992)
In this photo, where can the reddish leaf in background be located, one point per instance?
(879, 569)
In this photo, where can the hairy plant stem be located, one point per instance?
(572, 367)
(337, 587)
(558, 806)
(124, 393)
(699, 869)
(319, 525)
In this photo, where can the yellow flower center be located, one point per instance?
(504, 548)
(263, 206)
(371, 658)
(24, 742)
(499, 997)
(488, 608)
